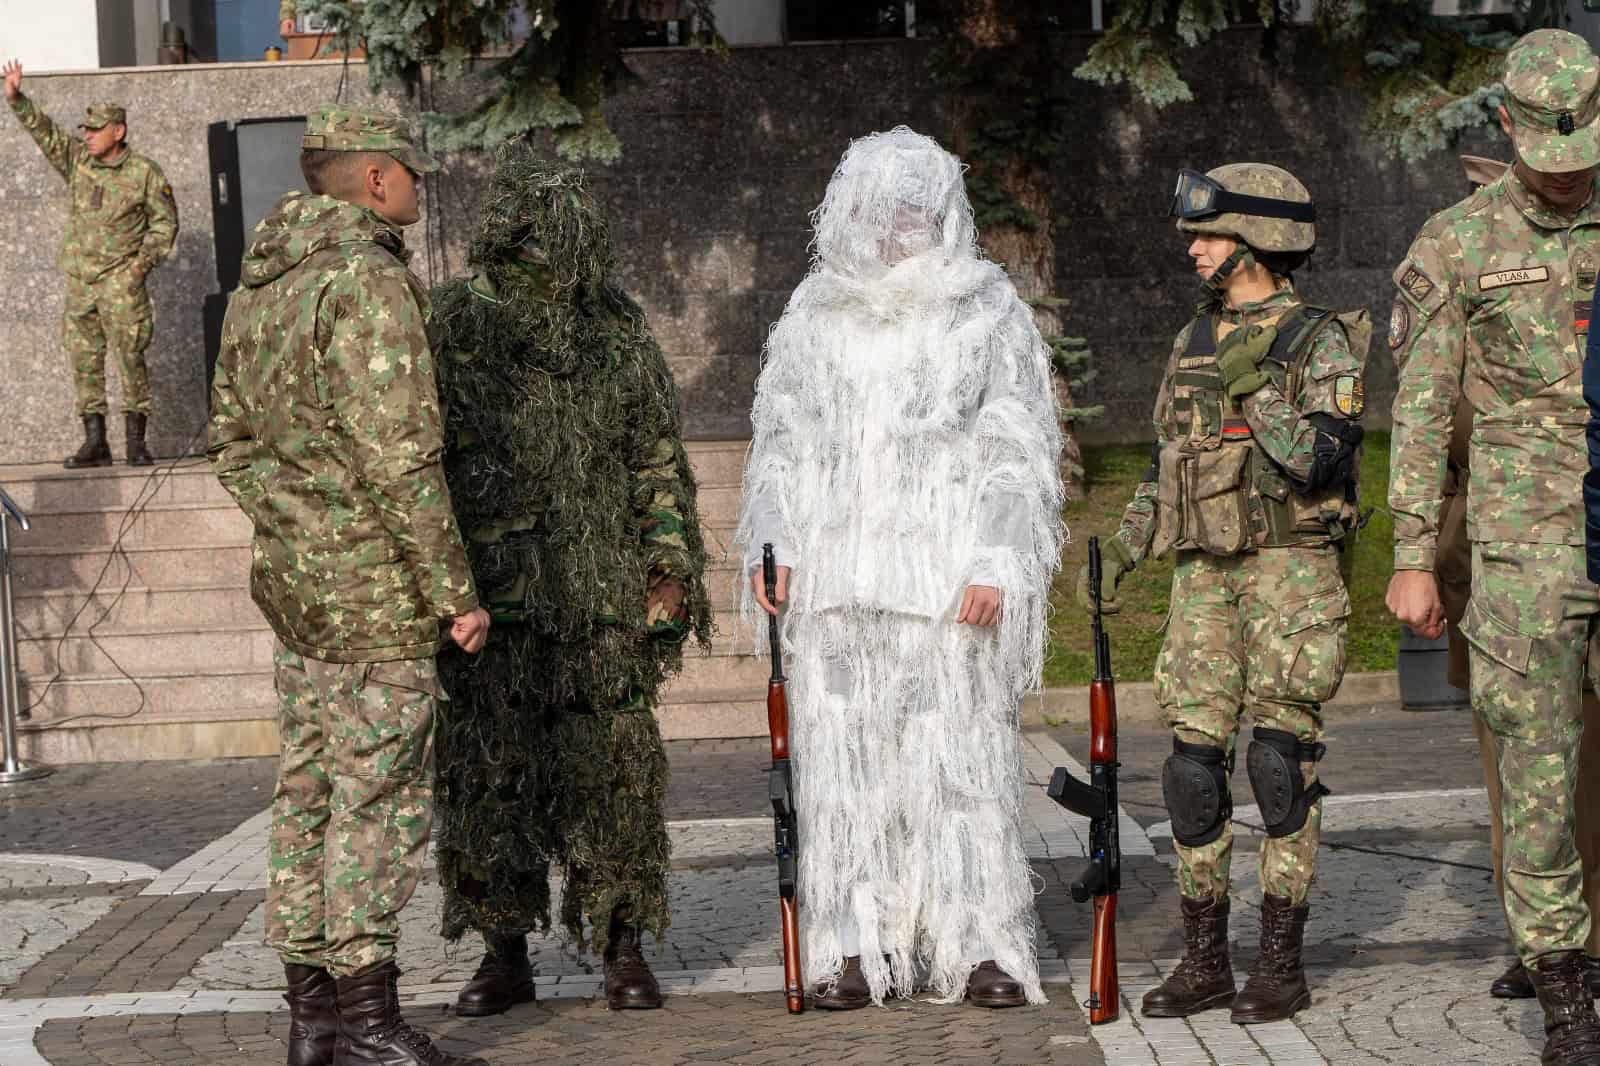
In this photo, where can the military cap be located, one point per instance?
(1551, 78)
(98, 116)
(354, 129)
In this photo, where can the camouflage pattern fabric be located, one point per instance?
(1261, 634)
(1551, 78)
(326, 429)
(352, 809)
(1530, 624)
(113, 313)
(123, 221)
(1190, 410)
(570, 480)
(1493, 305)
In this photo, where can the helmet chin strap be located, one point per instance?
(1240, 257)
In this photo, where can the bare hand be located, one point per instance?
(980, 606)
(1414, 599)
(758, 586)
(286, 27)
(664, 602)
(13, 73)
(470, 630)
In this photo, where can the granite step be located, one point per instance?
(47, 568)
(44, 614)
(103, 697)
(150, 650)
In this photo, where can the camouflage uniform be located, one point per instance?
(1252, 482)
(123, 222)
(1257, 631)
(571, 483)
(1493, 305)
(326, 429)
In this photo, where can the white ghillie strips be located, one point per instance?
(905, 446)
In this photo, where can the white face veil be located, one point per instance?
(894, 196)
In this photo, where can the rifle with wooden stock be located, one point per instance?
(780, 789)
(1097, 801)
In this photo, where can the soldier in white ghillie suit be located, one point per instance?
(905, 468)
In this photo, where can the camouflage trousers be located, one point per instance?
(112, 313)
(1531, 628)
(1262, 632)
(352, 809)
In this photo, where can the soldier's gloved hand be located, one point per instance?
(1239, 359)
(1115, 561)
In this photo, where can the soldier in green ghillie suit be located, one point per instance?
(572, 488)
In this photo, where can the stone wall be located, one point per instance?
(726, 156)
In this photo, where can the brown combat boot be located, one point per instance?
(1203, 980)
(1571, 1028)
(371, 1031)
(94, 451)
(313, 1014)
(990, 986)
(135, 424)
(1276, 988)
(850, 992)
(629, 983)
(504, 978)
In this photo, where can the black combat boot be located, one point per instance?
(371, 1031)
(137, 455)
(1276, 988)
(629, 983)
(95, 451)
(990, 986)
(1513, 984)
(504, 977)
(313, 1014)
(1203, 980)
(850, 992)
(1571, 1029)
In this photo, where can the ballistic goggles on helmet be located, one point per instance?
(1199, 197)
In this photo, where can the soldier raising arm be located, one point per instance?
(123, 220)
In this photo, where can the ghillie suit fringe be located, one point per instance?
(906, 446)
(572, 488)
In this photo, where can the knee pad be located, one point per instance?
(1194, 784)
(1273, 762)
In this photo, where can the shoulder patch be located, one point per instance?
(1416, 284)
(1399, 325)
(1349, 395)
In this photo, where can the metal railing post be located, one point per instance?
(12, 769)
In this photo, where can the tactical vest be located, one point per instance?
(1218, 491)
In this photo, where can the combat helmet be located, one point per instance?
(1263, 207)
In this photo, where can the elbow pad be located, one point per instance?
(1333, 459)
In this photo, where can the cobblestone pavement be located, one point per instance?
(144, 945)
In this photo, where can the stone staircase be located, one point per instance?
(145, 574)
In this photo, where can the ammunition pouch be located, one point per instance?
(1273, 762)
(1194, 784)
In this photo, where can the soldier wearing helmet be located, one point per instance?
(1252, 484)
(1493, 307)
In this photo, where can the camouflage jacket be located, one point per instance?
(1277, 423)
(123, 213)
(325, 427)
(1493, 304)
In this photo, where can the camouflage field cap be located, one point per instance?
(1551, 79)
(98, 116)
(1267, 186)
(355, 129)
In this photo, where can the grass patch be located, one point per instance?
(1111, 474)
